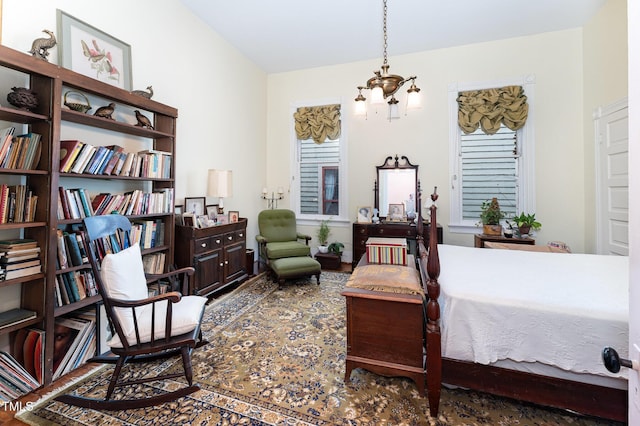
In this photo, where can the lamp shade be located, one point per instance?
(219, 183)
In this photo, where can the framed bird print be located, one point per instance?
(91, 52)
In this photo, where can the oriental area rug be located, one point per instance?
(276, 356)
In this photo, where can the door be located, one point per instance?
(612, 171)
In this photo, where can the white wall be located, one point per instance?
(219, 94)
(554, 58)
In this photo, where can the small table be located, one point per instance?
(480, 239)
(329, 260)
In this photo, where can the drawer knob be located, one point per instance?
(217, 241)
(229, 238)
(226, 262)
(203, 245)
(222, 264)
(241, 235)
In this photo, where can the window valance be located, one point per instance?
(318, 122)
(488, 108)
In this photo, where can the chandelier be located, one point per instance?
(384, 86)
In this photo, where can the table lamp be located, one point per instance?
(219, 185)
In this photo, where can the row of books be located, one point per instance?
(81, 157)
(75, 341)
(154, 263)
(19, 258)
(73, 286)
(71, 249)
(22, 372)
(74, 203)
(19, 152)
(17, 204)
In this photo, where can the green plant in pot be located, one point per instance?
(490, 216)
(526, 222)
(323, 236)
(336, 248)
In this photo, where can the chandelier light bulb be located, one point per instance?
(414, 99)
(377, 95)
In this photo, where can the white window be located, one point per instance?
(319, 178)
(484, 166)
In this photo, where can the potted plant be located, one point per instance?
(323, 236)
(490, 217)
(526, 222)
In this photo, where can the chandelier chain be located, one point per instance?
(384, 30)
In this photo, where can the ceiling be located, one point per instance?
(287, 35)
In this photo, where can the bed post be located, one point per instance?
(432, 290)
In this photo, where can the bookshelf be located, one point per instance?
(146, 187)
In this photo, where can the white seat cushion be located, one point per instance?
(123, 278)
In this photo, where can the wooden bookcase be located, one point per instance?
(55, 121)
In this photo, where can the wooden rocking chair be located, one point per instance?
(145, 328)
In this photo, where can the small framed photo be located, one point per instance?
(195, 205)
(396, 212)
(179, 209)
(203, 221)
(189, 219)
(94, 53)
(233, 216)
(222, 219)
(364, 214)
(212, 211)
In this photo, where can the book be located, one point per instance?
(71, 332)
(19, 252)
(73, 250)
(116, 150)
(69, 150)
(18, 243)
(20, 265)
(23, 272)
(82, 159)
(15, 316)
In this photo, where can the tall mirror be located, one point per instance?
(396, 185)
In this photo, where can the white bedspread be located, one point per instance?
(555, 308)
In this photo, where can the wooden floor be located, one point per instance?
(6, 416)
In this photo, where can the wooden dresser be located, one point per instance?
(362, 231)
(217, 253)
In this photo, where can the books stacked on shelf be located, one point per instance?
(15, 381)
(73, 286)
(71, 249)
(154, 263)
(17, 204)
(28, 351)
(73, 340)
(15, 316)
(81, 157)
(148, 233)
(19, 152)
(75, 203)
(19, 258)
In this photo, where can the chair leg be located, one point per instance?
(115, 376)
(186, 362)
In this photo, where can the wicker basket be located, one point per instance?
(77, 106)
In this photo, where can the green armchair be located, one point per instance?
(279, 237)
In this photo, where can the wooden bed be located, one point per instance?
(592, 399)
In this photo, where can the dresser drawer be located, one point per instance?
(204, 245)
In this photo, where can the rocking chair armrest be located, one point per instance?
(172, 296)
(189, 270)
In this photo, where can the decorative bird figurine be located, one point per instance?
(144, 93)
(105, 111)
(40, 46)
(143, 121)
(22, 98)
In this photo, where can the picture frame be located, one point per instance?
(89, 51)
(189, 219)
(179, 209)
(195, 205)
(396, 212)
(222, 219)
(203, 221)
(234, 216)
(364, 214)
(212, 211)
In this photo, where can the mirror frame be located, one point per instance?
(393, 163)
